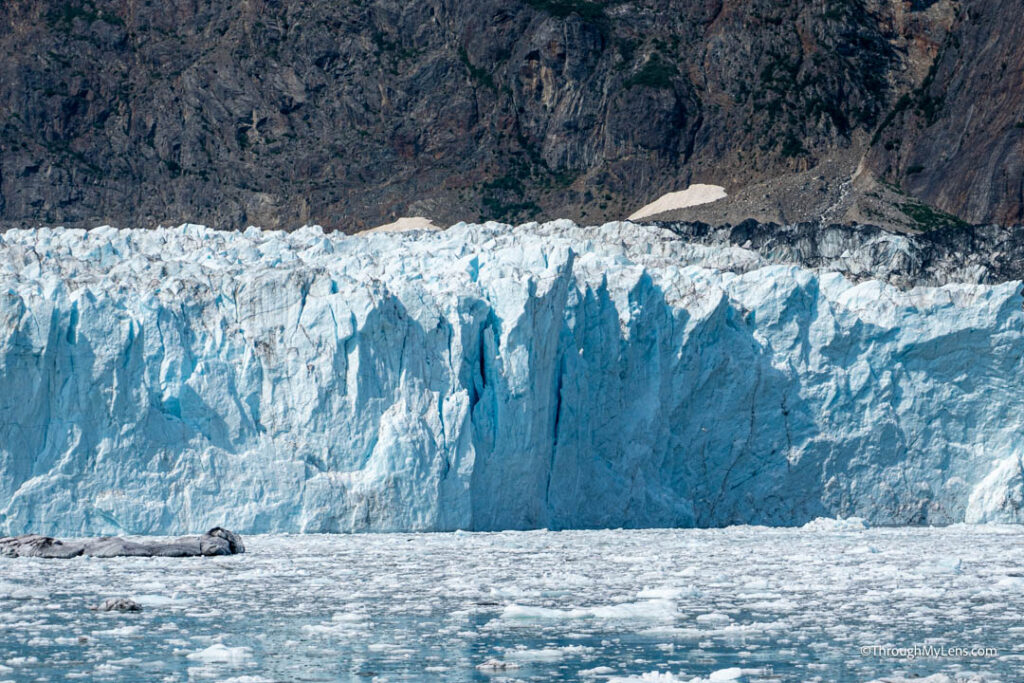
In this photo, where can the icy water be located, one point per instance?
(754, 603)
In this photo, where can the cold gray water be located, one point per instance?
(828, 603)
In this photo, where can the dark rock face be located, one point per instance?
(987, 254)
(233, 540)
(34, 545)
(957, 142)
(216, 541)
(349, 114)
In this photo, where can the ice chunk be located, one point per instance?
(934, 678)
(837, 524)
(219, 653)
(646, 609)
(714, 619)
(649, 677)
(496, 665)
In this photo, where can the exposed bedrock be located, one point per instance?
(352, 114)
(983, 254)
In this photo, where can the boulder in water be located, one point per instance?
(216, 541)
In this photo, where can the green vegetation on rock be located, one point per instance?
(654, 74)
(589, 11)
(929, 218)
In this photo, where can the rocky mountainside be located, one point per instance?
(279, 112)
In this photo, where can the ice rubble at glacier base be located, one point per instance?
(485, 377)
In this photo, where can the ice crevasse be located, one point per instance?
(485, 377)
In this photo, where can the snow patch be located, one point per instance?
(694, 195)
(405, 224)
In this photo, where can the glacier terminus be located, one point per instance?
(484, 378)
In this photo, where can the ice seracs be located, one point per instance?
(486, 377)
(1000, 495)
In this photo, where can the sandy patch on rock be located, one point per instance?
(405, 224)
(694, 195)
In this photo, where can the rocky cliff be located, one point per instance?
(982, 254)
(278, 112)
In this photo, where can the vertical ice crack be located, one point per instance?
(747, 447)
(555, 425)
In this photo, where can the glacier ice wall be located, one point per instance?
(483, 378)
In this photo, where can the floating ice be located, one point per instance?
(801, 607)
(649, 677)
(935, 678)
(596, 671)
(838, 524)
(496, 665)
(714, 618)
(547, 654)
(731, 674)
(647, 609)
(222, 654)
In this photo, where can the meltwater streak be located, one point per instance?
(488, 378)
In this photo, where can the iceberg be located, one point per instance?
(487, 377)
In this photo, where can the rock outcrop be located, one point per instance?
(216, 541)
(353, 114)
(983, 254)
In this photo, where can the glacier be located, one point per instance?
(488, 377)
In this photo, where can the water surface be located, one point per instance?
(778, 604)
